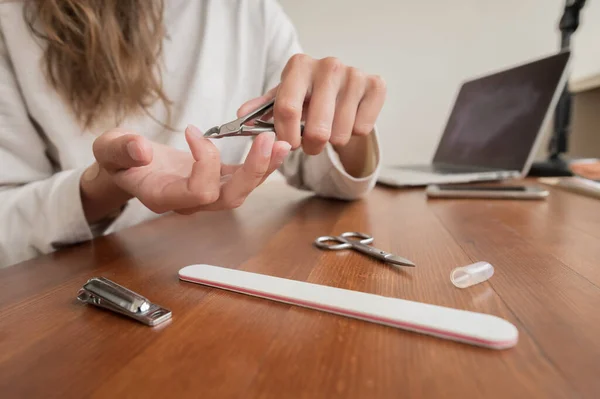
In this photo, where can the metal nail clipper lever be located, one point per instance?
(102, 292)
(239, 126)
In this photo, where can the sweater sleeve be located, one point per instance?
(40, 209)
(322, 174)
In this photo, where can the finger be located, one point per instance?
(321, 109)
(188, 211)
(206, 171)
(250, 174)
(116, 150)
(293, 90)
(227, 172)
(347, 107)
(370, 106)
(202, 187)
(255, 103)
(281, 149)
(229, 169)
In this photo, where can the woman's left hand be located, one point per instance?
(335, 101)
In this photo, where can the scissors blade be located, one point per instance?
(398, 260)
(378, 253)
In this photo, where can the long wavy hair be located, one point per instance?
(102, 56)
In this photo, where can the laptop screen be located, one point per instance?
(496, 119)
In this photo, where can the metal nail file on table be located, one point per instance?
(346, 241)
(239, 127)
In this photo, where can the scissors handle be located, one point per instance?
(343, 241)
(322, 242)
(263, 109)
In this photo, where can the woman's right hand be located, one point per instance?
(166, 179)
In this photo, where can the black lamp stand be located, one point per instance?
(555, 165)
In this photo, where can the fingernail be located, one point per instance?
(195, 131)
(267, 145)
(135, 151)
(225, 178)
(285, 145)
(92, 172)
(285, 150)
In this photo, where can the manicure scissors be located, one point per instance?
(360, 242)
(239, 127)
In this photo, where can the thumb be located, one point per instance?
(253, 104)
(116, 149)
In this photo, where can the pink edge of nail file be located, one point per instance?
(457, 325)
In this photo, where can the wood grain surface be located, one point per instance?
(221, 344)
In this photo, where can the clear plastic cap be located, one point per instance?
(466, 276)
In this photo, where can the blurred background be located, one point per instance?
(425, 49)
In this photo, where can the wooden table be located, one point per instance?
(227, 345)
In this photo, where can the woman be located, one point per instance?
(103, 104)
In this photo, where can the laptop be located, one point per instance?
(495, 127)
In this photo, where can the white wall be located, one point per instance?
(424, 49)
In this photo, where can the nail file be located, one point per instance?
(453, 324)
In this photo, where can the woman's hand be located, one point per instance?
(166, 179)
(338, 103)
